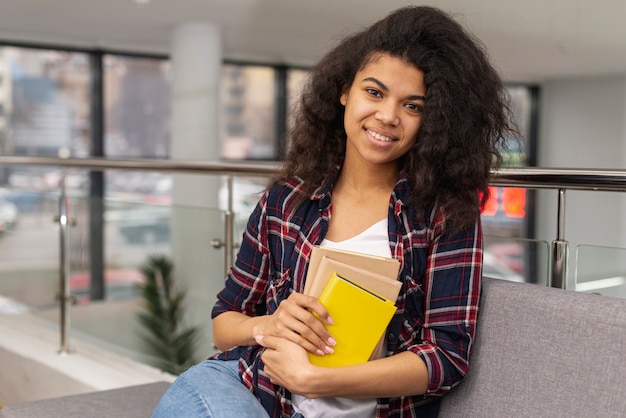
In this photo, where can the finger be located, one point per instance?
(306, 330)
(295, 321)
(272, 342)
(301, 306)
(315, 339)
(319, 348)
(311, 304)
(262, 341)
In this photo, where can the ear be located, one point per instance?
(343, 99)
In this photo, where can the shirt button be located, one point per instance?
(392, 336)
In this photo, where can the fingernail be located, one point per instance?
(329, 350)
(319, 352)
(329, 320)
(258, 338)
(332, 341)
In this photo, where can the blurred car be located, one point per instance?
(24, 200)
(510, 254)
(8, 215)
(145, 224)
(9, 306)
(246, 194)
(494, 268)
(118, 284)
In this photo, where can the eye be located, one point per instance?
(373, 92)
(414, 107)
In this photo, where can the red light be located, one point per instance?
(514, 202)
(491, 205)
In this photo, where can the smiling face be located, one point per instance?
(383, 111)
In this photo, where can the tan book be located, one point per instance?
(381, 266)
(387, 287)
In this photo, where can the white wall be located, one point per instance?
(583, 126)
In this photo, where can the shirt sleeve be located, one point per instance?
(452, 286)
(247, 281)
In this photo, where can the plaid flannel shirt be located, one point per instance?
(437, 306)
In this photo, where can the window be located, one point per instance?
(136, 107)
(510, 251)
(45, 98)
(48, 101)
(295, 84)
(248, 108)
(45, 102)
(505, 212)
(137, 113)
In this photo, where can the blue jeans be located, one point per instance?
(211, 389)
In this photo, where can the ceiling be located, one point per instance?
(529, 40)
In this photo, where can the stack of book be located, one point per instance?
(359, 291)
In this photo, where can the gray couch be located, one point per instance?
(544, 352)
(539, 352)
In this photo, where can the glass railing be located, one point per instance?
(195, 238)
(601, 270)
(29, 250)
(136, 232)
(517, 259)
(133, 232)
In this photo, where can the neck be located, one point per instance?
(367, 182)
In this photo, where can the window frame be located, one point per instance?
(281, 113)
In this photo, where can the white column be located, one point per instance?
(196, 53)
(196, 63)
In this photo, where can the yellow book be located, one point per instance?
(360, 318)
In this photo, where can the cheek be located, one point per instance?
(414, 129)
(354, 114)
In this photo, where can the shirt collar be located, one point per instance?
(401, 193)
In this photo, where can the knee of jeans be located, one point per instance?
(202, 369)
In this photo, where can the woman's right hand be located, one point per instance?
(295, 320)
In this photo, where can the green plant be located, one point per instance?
(172, 345)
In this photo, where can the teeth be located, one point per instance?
(379, 136)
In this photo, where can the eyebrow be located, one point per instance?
(384, 87)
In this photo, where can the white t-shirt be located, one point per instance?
(374, 241)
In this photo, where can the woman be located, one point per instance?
(396, 132)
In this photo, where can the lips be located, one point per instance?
(379, 137)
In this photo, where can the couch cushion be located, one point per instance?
(544, 352)
(129, 402)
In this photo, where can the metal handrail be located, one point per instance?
(528, 177)
(560, 179)
(176, 166)
(605, 180)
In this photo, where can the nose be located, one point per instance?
(387, 113)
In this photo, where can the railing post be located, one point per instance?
(64, 267)
(229, 228)
(558, 269)
(229, 243)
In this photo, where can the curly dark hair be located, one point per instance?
(465, 121)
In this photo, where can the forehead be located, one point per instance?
(393, 71)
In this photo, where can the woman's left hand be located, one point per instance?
(286, 363)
